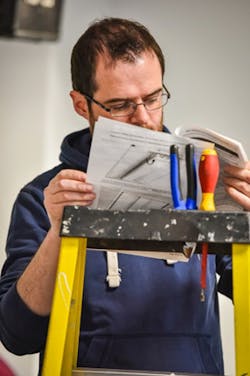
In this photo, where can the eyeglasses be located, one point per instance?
(126, 107)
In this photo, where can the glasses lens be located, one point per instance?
(123, 109)
(156, 102)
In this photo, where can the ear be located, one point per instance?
(80, 104)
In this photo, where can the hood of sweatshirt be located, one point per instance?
(75, 149)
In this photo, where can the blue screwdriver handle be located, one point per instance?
(175, 178)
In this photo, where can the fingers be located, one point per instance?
(238, 173)
(71, 198)
(241, 198)
(237, 184)
(68, 187)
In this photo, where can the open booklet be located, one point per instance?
(129, 166)
(229, 150)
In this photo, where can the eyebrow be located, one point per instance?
(116, 100)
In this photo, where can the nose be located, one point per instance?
(140, 117)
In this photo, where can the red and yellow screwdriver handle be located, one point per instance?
(208, 175)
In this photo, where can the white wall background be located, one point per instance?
(206, 44)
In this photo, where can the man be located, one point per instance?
(154, 319)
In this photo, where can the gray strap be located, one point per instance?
(114, 273)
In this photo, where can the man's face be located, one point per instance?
(128, 81)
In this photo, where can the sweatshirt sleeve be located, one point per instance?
(21, 330)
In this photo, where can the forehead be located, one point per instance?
(128, 79)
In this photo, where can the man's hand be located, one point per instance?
(237, 184)
(68, 187)
(36, 284)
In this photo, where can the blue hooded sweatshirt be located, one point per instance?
(153, 321)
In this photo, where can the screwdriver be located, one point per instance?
(208, 175)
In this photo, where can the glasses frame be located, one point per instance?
(107, 109)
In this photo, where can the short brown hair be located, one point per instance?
(121, 39)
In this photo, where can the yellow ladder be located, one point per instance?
(241, 299)
(62, 341)
(64, 326)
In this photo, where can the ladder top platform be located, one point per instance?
(156, 229)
